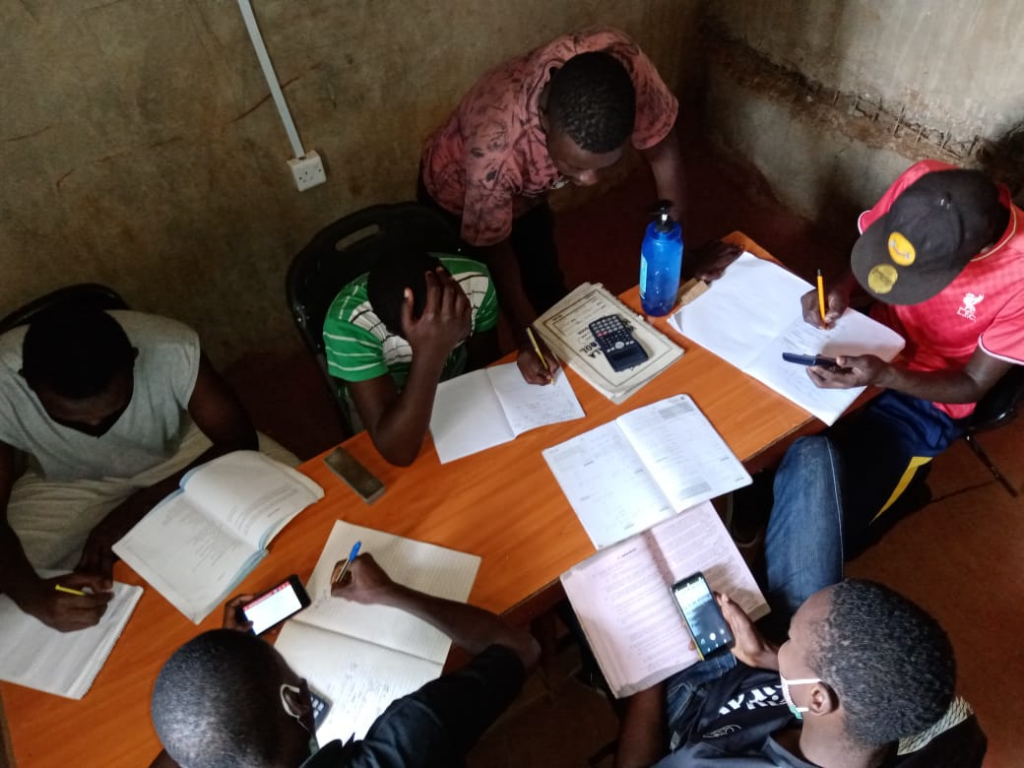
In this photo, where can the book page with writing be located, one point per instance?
(528, 406)
(360, 679)
(853, 334)
(684, 454)
(607, 484)
(744, 310)
(189, 558)
(250, 493)
(467, 417)
(62, 663)
(436, 570)
(697, 540)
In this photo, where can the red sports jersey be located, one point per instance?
(983, 306)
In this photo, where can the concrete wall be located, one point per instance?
(832, 98)
(139, 148)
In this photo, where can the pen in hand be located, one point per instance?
(821, 296)
(540, 355)
(69, 590)
(351, 556)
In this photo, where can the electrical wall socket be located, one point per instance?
(308, 171)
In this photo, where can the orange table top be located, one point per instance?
(502, 504)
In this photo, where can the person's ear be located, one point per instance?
(823, 700)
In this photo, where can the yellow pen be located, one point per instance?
(69, 590)
(536, 348)
(821, 296)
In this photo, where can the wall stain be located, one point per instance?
(27, 135)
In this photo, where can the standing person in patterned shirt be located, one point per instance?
(559, 114)
(392, 334)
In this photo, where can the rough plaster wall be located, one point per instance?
(905, 79)
(139, 146)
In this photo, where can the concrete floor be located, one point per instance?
(959, 557)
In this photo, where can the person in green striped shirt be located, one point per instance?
(393, 333)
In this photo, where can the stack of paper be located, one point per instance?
(644, 467)
(363, 657)
(495, 405)
(752, 314)
(566, 330)
(621, 596)
(63, 663)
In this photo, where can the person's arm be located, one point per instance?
(968, 385)
(34, 595)
(749, 646)
(215, 409)
(666, 163)
(642, 738)
(469, 627)
(398, 421)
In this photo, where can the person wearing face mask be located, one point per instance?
(560, 114)
(111, 409)
(865, 680)
(230, 700)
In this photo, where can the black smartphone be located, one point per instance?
(819, 360)
(359, 478)
(270, 608)
(321, 706)
(710, 632)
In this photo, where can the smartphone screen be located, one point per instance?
(275, 605)
(702, 615)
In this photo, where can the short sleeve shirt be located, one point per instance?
(435, 726)
(492, 154)
(983, 307)
(359, 347)
(147, 433)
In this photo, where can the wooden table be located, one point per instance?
(502, 504)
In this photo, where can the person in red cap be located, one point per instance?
(942, 253)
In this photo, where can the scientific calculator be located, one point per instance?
(616, 341)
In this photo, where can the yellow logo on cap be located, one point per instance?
(900, 249)
(882, 278)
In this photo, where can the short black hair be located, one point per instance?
(890, 663)
(391, 274)
(75, 352)
(216, 702)
(593, 100)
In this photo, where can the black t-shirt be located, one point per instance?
(435, 726)
(742, 709)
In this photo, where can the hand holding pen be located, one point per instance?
(362, 580)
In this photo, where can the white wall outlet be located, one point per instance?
(308, 171)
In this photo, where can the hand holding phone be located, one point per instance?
(702, 616)
(819, 361)
(270, 608)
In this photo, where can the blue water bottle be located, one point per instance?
(661, 259)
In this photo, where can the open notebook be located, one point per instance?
(622, 599)
(363, 657)
(485, 408)
(63, 663)
(196, 545)
(752, 314)
(648, 464)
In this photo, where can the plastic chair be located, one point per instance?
(82, 295)
(342, 251)
(994, 410)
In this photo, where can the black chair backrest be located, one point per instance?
(82, 295)
(999, 406)
(347, 248)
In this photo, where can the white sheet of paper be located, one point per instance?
(435, 570)
(752, 314)
(529, 406)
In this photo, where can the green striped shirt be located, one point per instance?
(359, 347)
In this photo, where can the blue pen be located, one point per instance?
(351, 556)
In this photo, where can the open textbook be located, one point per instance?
(640, 469)
(565, 328)
(752, 314)
(363, 657)
(63, 663)
(623, 600)
(196, 545)
(495, 405)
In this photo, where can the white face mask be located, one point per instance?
(797, 711)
